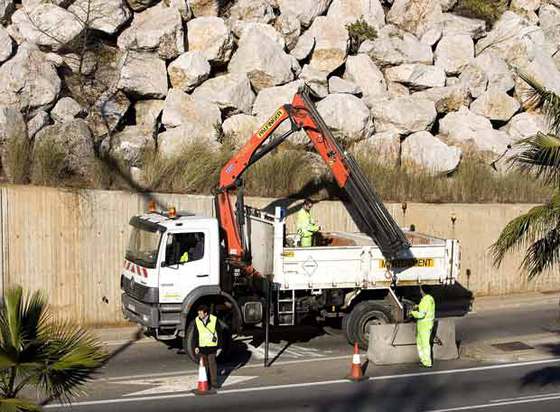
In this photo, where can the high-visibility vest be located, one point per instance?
(185, 257)
(206, 333)
(426, 310)
(304, 224)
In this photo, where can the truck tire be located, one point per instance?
(189, 344)
(362, 316)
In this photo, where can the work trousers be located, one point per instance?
(209, 360)
(423, 335)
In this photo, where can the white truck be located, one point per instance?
(246, 267)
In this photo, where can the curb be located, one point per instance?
(489, 304)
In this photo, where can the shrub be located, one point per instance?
(16, 161)
(359, 31)
(49, 164)
(488, 10)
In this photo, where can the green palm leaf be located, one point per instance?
(17, 405)
(539, 156)
(540, 96)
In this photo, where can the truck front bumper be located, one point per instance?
(144, 314)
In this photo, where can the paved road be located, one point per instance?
(307, 375)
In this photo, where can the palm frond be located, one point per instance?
(17, 405)
(11, 320)
(542, 254)
(540, 96)
(539, 156)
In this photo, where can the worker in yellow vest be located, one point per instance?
(425, 315)
(306, 228)
(206, 335)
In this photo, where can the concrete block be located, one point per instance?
(396, 343)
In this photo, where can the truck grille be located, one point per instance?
(138, 291)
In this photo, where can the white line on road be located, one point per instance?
(493, 405)
(526, 397)
(338, 381)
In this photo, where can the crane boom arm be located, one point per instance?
(363, 204)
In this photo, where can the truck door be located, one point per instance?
(185, 265)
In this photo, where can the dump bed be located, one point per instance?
(349, 260)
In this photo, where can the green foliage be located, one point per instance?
(49, 164)
(488, 10)
(18, 149)
(36, 351)
(359, 31)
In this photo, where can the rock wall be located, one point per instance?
(138, 75)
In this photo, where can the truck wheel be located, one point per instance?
(362, 316)
(346, 329)
(189, 344)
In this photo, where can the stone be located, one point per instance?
(189, 70)
(148, 113)
(67, 109)
(263, 59)
(239, 128)
(47, 25)
(211, 36)
(414, 16)
(347, 117)
(452, 24)
(361, 70)
(106, 113)
(6, 45)
(183, 109)
(407, 114)
(316, 80)
(202, 8)
(304, 10)
(12, 124)
(430, 153)
(143, 75)
(289, 26)
(140, 5)
(173, 141)
(454, 52)
(416, 76)
(446, 99)
(131, 143)
(395, 89)
(549, 16)
(497, 71)
(496, 105)
(74, 139)
(259, 11)
(37, 122)
(524, 125)
(329, 40)
(28, 81)
(432, 36)
(231, 92)
(544, 70)
(474, 79)
(108, 16)
(471, 129)
(384, 146)
(183, 7)
(159, 29)
(350, 11)
(89, 62)
(394, 47)
(339, 85)
(526, 5)
(447, 5)
(6, 8)
(259, 29)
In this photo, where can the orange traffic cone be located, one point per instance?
(356, 371)
(202, 386)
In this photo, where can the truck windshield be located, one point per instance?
(143, 247)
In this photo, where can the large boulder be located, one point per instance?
(108, 16)
(362, 71)
(72, 138)
(143, 75)
(446, 99)
(173, 141)
(188, 70)
(499, 75)
(158, 29)
(473, 130)
(259, 11)
(524, 125)
(338, 85)
(47, 25)
(181, 109)
(231, 92)
(239, 128)
(304, 10)
(407, 114)
(430, 153)
(202, 8)
(495, 104)
(37, 122)
(544, 70)
(106, 113)
(148, 113)
(416, 76)
(6, 45)
(28, 80)
(454, 52)
(211, 36)
(474, 78)
(316, 79)
(414, 16)
(67, 109)
(349, 11)
(549, 16)
(327, 41)
(452, 24)
(289, 26)
(261, 55)
(6, 8)
(395, 89)
(139, 5)
(394, 47)
(131, 143)
(346, 116)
